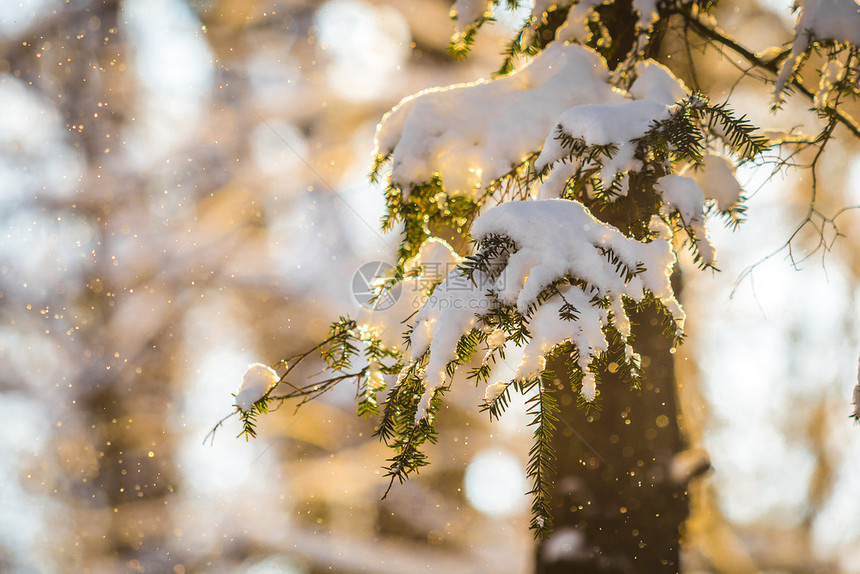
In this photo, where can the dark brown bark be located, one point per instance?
(617, 508)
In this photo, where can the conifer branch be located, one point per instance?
(544, 410)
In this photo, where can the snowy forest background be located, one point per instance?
(184, 189)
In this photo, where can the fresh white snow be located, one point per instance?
(656, 83)
(554, 238)
(716, 178)
(557, 237)
(819, 20)
(256, 381)
(604, 124)
(472, 134)
(549, 330)
(448, 314)
(614, 122)
(681, 194)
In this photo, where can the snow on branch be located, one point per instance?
(825, 21)
(449, 315)
(682, 195)
(717, 180)
(546, 271)
(469, 135)
(599, 151)
(556, 238)
(620, 124)
(563, 277)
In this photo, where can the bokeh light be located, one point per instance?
(495, 482)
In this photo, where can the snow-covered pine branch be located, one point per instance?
(547, 275)
(833, 24)
(469, 135)
(565, 280)
(460, 141)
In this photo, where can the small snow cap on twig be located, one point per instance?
(256, 381)
(494, 391)
(496, 339)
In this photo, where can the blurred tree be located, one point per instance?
(153, 159)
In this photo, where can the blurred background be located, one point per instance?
(184, 191)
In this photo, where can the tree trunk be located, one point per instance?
(617, 507)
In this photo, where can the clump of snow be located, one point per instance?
(620, 123)
(496, 339)
(472, 134)
(819, 20)
(770, 54)
(449, 313)
(716, 178)
(576, 25)
(604, 124)
(256, 382)
(681, 194)
(494, 391)
(557, 237)
(549, 330)
(656, 83)
(831, 74)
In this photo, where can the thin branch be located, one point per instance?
(314, 390)
(211, 433)
(292, 362)
(812, 214)
(723, 38)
